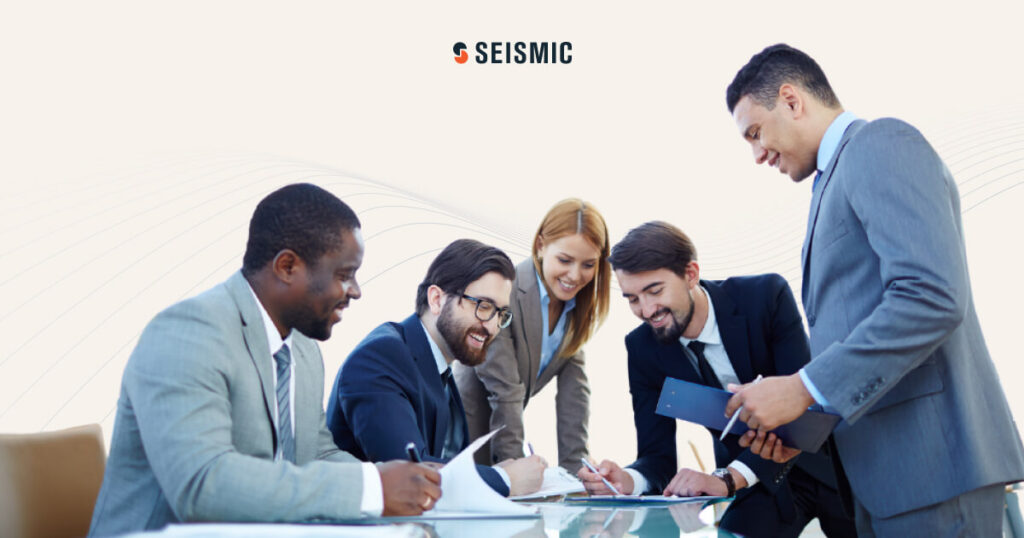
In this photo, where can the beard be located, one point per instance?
(455, 335)
(672, 331)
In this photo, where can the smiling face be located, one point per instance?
(661, 298)
(328, 287)
(465, 335)
(776, 136)
(568, 263)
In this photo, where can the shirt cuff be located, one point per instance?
(504, 477)
(815, 393)
(745, 471)
(373, 492)
(639, 482)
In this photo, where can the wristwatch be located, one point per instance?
(726, 477)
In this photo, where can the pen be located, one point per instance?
(413, 455)
(736, 414)
(598, 473)
(529, 446)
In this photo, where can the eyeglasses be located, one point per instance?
(486, 310)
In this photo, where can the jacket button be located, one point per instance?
(811, 319)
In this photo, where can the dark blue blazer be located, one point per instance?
(388, 393)
(763, 334)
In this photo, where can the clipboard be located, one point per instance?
(706, 406)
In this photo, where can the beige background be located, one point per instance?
(136, 138)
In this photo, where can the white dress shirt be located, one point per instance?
(373, 490)
(718, 359)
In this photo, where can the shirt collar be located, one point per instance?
(708, 335)
(273, 337)
(833, 135)
(442, 364)
(545, 299)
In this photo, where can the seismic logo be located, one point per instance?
(518, 52)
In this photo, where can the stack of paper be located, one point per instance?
(557, 481)
(465, 494)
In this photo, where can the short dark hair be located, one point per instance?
(651, 246)
(302, 217)
(459, 265)
(771, 68)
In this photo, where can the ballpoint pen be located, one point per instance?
(736, 414)
(599, 475)
(413, 455)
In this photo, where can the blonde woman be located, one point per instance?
(559, 297)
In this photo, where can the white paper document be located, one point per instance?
(557, 481)
(462, 489)
(272, 530)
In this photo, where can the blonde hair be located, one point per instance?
(569, 217)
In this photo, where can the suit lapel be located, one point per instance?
(676, 363)
(529, 300)
(416, 338)
(255, 336)
(826, 176)
(732, 328)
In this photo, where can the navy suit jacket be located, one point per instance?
(763, 333)
(388, 393)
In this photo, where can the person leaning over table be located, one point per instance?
(559, 297)
(715, 333)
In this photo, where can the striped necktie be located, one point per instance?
(285, 437)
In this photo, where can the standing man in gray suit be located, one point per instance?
(927, 440)
(221, 410)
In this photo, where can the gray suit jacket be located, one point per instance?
(895, 339)
(496, 392)
(194, 437)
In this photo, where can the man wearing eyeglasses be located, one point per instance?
(396, 386)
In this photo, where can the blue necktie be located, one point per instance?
(703, 366)
(816, 178)
(285, 438)
(454, 441)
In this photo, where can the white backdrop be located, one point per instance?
(136, 138)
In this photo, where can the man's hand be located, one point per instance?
(770, 403)
(611, 472)
(525, 474)
(768, 447)
(409, 488)
(690, 483)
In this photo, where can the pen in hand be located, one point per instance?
(592, 469)
(413, 455)
(736, 415)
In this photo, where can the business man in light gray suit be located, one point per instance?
(221, 410)
(927, 440)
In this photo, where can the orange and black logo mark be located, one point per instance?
(460, 52)
(518, 52)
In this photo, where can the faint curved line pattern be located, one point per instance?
(993, 195)
(104, 195)
(132, 216)
(113, 313)
(134, 338)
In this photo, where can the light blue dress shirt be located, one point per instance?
(551, 342)
(826, 149)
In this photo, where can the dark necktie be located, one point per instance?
(285, 438)
(453, 441)
(710, 378)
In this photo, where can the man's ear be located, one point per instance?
(791, 98)
(287, 266)
(692, 274)
(435, 299)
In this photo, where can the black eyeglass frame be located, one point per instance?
(502, 311)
